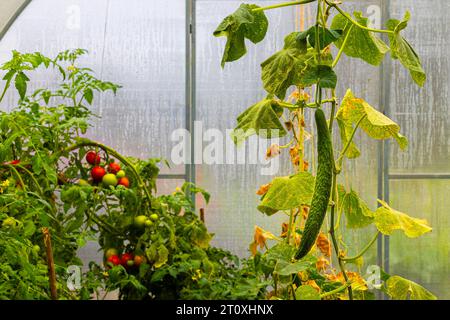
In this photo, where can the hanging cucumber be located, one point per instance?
(322, 188)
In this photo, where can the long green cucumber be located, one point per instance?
(322, 187)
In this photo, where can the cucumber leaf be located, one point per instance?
(306, 292)
(403, 51)
(361, 43)
(281, 70)
(399, 288)
(357, 212)
(387, 220)
(326, 36)
(242, 24)
(321, 74)
(375, 124)
(288, 192)
(262, 119)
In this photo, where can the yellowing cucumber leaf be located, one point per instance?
(387, 220)
(306, 292)
(357, 213)
(399, 288)
(288, 192)
(242, 24)
(345, 130)
(402, 50)
(260, 238)
(374, 123)
(281, 70)
(361, 43)
(262, 119)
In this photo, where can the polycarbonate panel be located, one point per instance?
(424, 260)
(138, 44)
(423, 112)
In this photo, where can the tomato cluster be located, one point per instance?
(127, 260)
(113, 175)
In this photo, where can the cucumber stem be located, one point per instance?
(285, 4)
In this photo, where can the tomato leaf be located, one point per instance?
(375, 124)
(21, 84)
(288, 192)
(242, 24)
(89, 95)
(361, 43)
(399, 288)
(388, 219)
(403, 51)
(262, 119)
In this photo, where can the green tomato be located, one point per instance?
(130, 263)
(111, 252)
(9, 222)
(120, 174)
(148, 223)
(83, 182)
(140, 221)
(109, 179)
(154, 237)
(36, 248)
(154, 217)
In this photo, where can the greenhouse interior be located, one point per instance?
(224, 150)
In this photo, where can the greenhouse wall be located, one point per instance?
(142, 45)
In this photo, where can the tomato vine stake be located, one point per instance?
(50, 263)
(306, 61)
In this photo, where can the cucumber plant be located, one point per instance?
(305, 66)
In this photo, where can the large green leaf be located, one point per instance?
(306, 292)
(242, 24)
(402, 50)
(321, 74)
(284, 268)
(262, 119)
(387, 220)
(281, 70)
(357, 213)
(361, 43)
(326, 36)
(375, 124)
(288, 192)
(399, 288)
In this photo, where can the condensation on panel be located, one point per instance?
(423, 112)
(138, 44)
(424, 260)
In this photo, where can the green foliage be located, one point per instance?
(262, 119)
(286, 193)
(403, 51)
(242, 24)
(361, 43)
(399, 288)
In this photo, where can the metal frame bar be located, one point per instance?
(13, 18)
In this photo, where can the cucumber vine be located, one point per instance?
(306, 63)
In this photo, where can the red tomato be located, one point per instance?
(124, 182)
(93, 157)
(114, 259)
(97, 173)
(125, 257)
(138, 260)
(113, 167)
(14, 162)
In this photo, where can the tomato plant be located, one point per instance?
(79, 190)
(299, 264)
